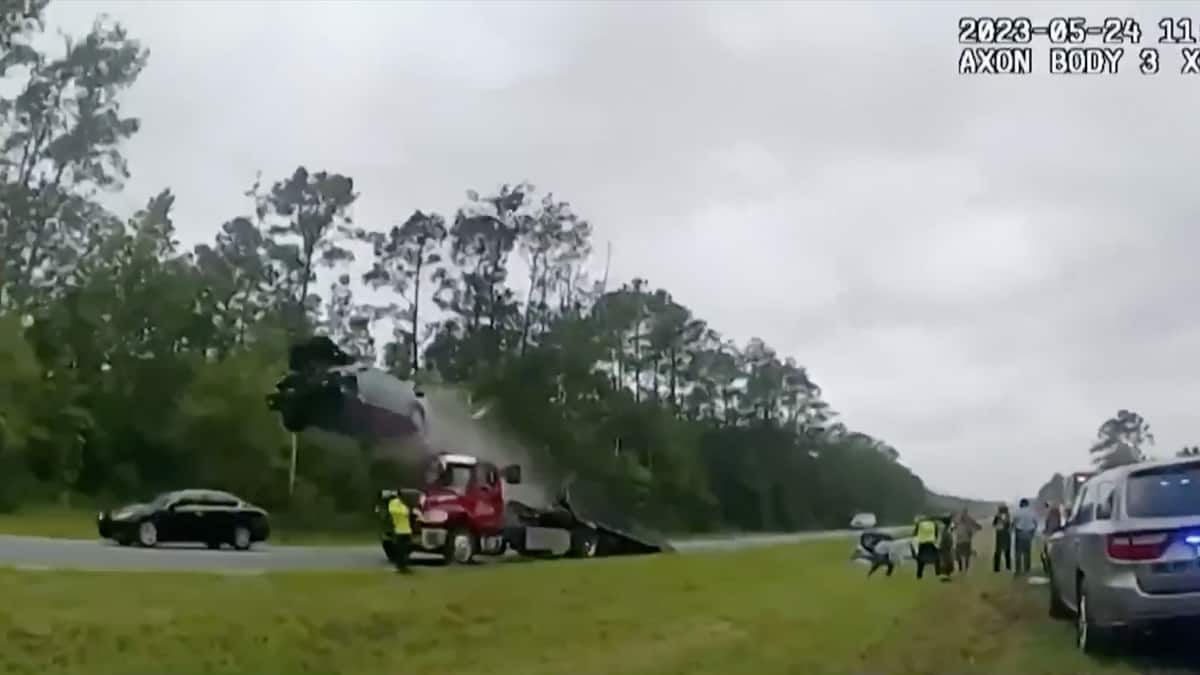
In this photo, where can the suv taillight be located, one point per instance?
(1137, 546)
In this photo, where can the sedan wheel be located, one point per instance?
(241, 537)
(147, 534)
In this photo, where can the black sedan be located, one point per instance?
(205, 516)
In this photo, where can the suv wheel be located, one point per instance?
(1058, 608)
(1089, 637)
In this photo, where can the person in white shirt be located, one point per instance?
(1025, 526)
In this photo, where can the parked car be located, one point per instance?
(1128, 555)
(862, 521)
(204, 516)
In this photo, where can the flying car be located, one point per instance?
(326, 389)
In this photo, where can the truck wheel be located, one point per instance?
(584, 544)
(416, 414)
(516, 541)
(461, 547)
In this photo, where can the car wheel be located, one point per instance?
(214, 545)
(147, 534)
(416, 414)
(241, 538)
(1089, 638)
(1058, 608)
(460, 547)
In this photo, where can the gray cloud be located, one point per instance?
(978, 270)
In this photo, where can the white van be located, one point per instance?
(862, 521)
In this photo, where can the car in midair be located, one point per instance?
(460, 510)
(326, 389)
(209, 517)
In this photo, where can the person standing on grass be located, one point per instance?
(1002, 524)
(946, 548)
(925, 539)
(1053, 518)
(964, 536)
(401, 534)
(1025, 525)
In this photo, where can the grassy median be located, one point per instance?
(793, 609)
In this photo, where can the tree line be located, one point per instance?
(1122, 439)
(1126, 438)
(130, 363)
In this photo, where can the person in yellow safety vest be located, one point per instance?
(401, 532)
(925, 538)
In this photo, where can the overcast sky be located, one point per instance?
(977, 270)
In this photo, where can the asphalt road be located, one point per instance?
(42, 553)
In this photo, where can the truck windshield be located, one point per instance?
(1164, 494)
(456, 477)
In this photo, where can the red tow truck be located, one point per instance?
(1073, 483)
(460, 510)
(461, 513)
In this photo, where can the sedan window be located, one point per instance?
(218, 499)
(164, 500)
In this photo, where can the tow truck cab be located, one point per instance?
(1073, 485)
(461, 510)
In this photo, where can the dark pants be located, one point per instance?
(962, 552)
(946, 559)
(1023, 543)
(881, 560)
(1003, 548)
(927, 554)
(397, 547)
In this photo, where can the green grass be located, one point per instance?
(78, 523)
(50, 521)
(788, 610)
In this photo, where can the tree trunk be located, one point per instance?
(301, 301)
(416, 309)
(655, 363)
(637, 362)
(674, 371)
(533, 272)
